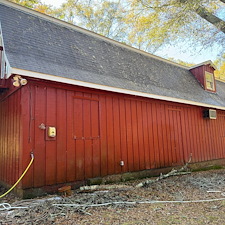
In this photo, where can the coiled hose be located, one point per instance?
(21, 177)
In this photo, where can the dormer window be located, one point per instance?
(209, 81)
(204, 73)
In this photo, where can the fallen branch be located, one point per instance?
(102, 187)
(173, 172)
(7, 206)
(25, 204)
(95, 205)
(212, 191)
(136, 202)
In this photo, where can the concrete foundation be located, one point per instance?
(35, 192)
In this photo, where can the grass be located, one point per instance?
(212, 167)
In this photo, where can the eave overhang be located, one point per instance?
(16, 71)
(209, 62)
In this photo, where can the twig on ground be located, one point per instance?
(173, 172)
(136, 202)
(7, 206)
(102, 187)
(213, 191)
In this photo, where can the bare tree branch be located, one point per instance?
(205, 14)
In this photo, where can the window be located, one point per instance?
(209, 80)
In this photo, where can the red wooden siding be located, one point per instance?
(10, 126)
(199, 72)
(96, 130)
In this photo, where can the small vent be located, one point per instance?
(209, 113)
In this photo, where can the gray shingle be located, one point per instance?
(36, 44)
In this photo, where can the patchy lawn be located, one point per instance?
(129, 204)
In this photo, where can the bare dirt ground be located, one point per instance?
(128, 204)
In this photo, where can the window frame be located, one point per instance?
(212, 82)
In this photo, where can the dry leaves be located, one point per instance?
(195, 186)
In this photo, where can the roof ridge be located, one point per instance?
(87, 32)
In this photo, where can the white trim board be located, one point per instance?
(107, 88)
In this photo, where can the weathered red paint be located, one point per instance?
(10, 143)
(96, 130)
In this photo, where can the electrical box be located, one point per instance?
(51, 132)
(209, 113)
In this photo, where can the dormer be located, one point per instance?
(204, 73)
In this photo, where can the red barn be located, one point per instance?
(90, 107)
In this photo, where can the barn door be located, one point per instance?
(86, 135)
(175, 136)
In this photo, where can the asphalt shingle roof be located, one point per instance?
(40, 45)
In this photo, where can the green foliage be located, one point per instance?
(211, 167)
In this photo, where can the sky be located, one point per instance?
(53, 2)
(176, 52)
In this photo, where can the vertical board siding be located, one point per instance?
(141, 146)
(161, 144)
(96, 131)
(39, 136)
(27, 133)
(71, 150)
(154, 121)
(150, 131)
(145, 133)
(10, 138)
(61, 127)
(110, 135)
(103, 136)
(116, 128)
(123, 135)
(51, 151)
(134, 132)
(128, 126)
(221, 136)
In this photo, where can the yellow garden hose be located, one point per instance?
(21, 177)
